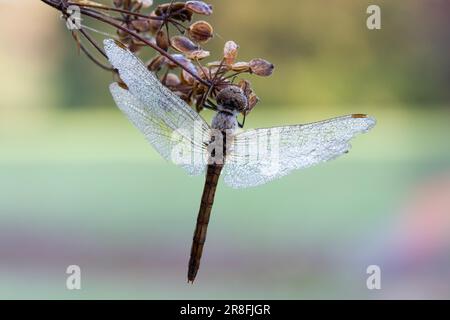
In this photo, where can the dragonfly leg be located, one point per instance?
(241, 125)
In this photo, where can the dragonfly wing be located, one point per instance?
(261, 155)
(177, 132)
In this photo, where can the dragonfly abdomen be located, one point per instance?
(212, 178)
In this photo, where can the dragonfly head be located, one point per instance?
(231, 99)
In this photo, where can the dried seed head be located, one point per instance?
(183, 44)
(199, 7)
(261, 67)
(230, 52)
(200, 31)
(232, 98)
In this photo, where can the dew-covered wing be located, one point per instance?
(176, 131)
(261, 155)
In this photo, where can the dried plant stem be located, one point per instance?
(95, 15)
(142, 39)
(131, 13)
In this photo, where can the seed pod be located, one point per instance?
(171, 80)
(240, 67)
(185, 62)
(198, 54)
(135, 46)
(199, 7)
(156, 63)
(200, 31)
(183, 44)
(187, 77)
(203, 72)
(261, 67)
(252, 102)
(141, 25)
(89, 2)
(230, 52)
(245, 86)
(118, 3)
(182, 13)
(181, 60)
(145, 3)
(155, 25)
(162, 41)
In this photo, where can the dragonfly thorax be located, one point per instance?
(224, 121)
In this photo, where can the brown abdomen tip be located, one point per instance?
(359, 115)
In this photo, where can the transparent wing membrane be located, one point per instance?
(261, 155)
(176, 131)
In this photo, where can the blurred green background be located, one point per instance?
(79, 185)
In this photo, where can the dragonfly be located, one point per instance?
(247, 158)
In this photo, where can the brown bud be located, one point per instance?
(183, 44)
(199, 7)
(261, 67)
(230, 52)
(162, 41)
(200, 31)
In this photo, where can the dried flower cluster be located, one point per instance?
(168, 29)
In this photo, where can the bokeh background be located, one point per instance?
(79, 185)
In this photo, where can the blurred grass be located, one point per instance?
(80, 185)
(84, 187)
